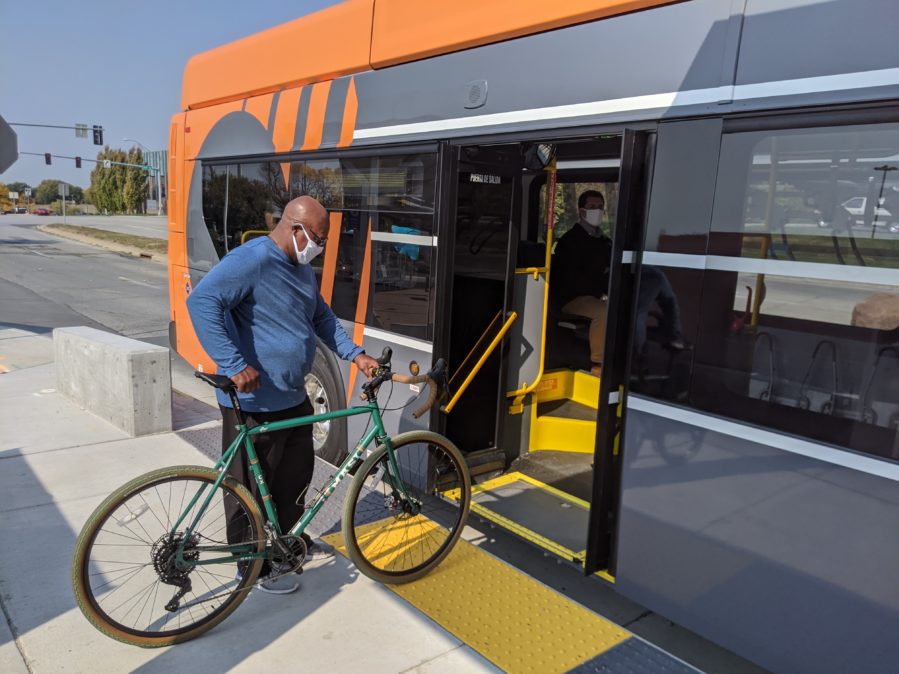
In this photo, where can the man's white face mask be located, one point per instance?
(310, 252)
(593, 216)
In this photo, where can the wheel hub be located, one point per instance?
(165, 558)
(317, 395)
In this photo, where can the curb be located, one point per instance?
(159, 258)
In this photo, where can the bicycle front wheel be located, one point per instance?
(402, 518)
(125, 572)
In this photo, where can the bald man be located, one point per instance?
(257, 314)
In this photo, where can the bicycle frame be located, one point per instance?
(244, 442)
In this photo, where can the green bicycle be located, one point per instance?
(172, 553)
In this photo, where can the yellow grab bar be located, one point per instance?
(477, 345)
(243, 237)
(477, 366)
(550, 218)
(536, 271)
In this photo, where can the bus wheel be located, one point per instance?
(328, 437)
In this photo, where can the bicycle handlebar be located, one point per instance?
(437, 374)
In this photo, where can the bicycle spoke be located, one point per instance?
(401, 521)
(144, 562)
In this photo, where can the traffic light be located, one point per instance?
(98, 135)
(47, 158)
(77, 162)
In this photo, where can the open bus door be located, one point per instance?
(624, 273)
(539, 428)
(479, 227)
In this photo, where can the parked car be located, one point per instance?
(856, 208)
(41, 211)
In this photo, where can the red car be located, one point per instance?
(41, 211)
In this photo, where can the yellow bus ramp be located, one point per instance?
(511, 619)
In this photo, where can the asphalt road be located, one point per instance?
(47, 282)
(155, 226)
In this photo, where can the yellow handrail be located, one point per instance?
(477, 366)
(477, 345)
(536, 271)
(243, 237)
(550, 217)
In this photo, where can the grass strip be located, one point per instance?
(145, 243)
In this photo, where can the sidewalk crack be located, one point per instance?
(14, 633)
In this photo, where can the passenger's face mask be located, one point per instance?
(593, 216)
(310, 252)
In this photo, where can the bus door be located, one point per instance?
(624, 275)
(534, 400)
(482, 228)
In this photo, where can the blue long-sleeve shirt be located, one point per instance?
(257, 307)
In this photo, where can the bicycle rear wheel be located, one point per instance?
(398, 524)
(124, 573)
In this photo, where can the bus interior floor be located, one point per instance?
(569, 472)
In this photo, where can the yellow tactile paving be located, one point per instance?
(505, 615)
(393, 545)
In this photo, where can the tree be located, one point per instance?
(47, 192)
(5, 203)
(19, 187)
(108, 184)
(134, 189)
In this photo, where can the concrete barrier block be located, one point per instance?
(126, 382)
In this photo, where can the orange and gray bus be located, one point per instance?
(733, 465)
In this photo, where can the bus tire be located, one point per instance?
(328, 438)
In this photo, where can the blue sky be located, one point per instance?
(114, 63)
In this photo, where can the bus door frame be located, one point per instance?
(637, 152)
(449, 165)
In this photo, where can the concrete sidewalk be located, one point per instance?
(57, 462)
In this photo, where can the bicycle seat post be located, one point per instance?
(232, 393)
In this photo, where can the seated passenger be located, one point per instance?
(656, 291)
(579, 278)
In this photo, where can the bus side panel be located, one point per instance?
(188, 346)
(784, 559)
(397, 394)
(616, 59)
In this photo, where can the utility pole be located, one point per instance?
(63, 189)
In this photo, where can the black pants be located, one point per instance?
(287, 459)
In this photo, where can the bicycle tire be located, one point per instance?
(445, 473)
(86, 594)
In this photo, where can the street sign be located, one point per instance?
(63, 189)
(27, 192)
(9, 146)
(14, 196)
(107, 163)
(81, 131)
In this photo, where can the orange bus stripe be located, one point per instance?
(315, 122)
(286, 119)
(361, 308)
(331, 257)
(350, 108)
(339, 37)
(260, 107)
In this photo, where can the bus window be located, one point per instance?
(799, 311)
(389, 202)
(566, 212)
(240, 198)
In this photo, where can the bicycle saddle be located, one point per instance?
(217, 380)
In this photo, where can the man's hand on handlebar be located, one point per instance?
(247, 380)
(366, 364)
